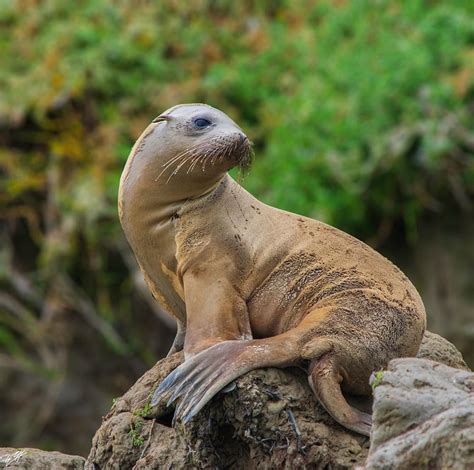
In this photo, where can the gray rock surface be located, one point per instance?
(35, 459)
(438, 349)
(423, 417)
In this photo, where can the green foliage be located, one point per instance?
(361, 114)
(143, 412)
(373, 123)
(135, 433)
(376, 378)
(359, 111)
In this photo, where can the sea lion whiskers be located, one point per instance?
(200, 158)
(218, 157)
(188, 152)
(210, 151)
(213, 150)
(176, 170)
(191, 154)
(206, 158)
(194, 157)
(179, 156)
(193, 164)
(178, 167)
(247, 158)
(214, 158)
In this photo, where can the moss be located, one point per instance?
(376, 378)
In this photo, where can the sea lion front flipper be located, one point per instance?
(215, 310)
(200, 377)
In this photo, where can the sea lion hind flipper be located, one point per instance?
(325, 383)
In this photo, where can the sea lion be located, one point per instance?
(250, 285)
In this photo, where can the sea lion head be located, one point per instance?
(197, 141)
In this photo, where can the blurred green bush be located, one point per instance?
(361, 113)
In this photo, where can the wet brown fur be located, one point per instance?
(258, 286)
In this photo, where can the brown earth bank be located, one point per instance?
(441, 266)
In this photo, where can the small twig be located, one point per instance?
(296, 430)
(145, 447)
(284, 446)
(25, 323)
(24, 287)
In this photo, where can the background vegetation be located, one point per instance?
(361, 113)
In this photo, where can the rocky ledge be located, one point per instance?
(272, 420)
(423, 414)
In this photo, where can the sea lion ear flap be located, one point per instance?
(161, 118)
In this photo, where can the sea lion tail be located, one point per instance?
(325, 380)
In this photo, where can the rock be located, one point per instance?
(35, 459)
(423, 417)
(438, 349)
(271, 419)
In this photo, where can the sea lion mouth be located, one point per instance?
(235, 148)
(244, 153)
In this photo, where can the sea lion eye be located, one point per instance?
(201, 123)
